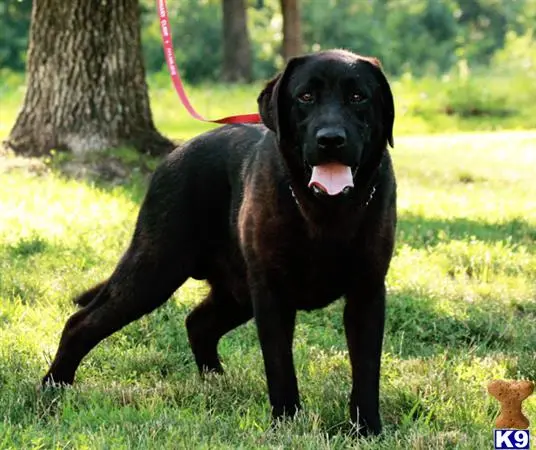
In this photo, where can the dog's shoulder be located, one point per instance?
(206, 168)
(222, 142)
(220, 152)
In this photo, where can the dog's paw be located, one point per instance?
(285, 412)
(50, 381)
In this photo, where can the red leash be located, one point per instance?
(176, 78)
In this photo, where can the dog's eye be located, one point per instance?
(356, 98)
(306, 97)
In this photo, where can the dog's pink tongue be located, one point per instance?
(332, 178)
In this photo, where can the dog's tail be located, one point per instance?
(87, 297)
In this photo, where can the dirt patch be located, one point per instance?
(107, 167)
(110, 170)
(11, 163)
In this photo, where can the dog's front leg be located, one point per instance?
(275, 321)
(364, 317)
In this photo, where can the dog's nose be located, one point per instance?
(331, 137)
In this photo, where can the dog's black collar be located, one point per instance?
(371, 195)
(372, 192)
(375, 177)
(294, 196)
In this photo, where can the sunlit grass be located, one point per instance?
(461, 311)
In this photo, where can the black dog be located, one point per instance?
(283, 217)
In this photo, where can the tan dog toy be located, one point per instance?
(510, 395)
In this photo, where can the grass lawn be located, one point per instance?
(461, 312)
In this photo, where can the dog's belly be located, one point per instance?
(306, 289)
(226, 270)
(317, 290)
(310, 301)
(311, 277)
(320, 273)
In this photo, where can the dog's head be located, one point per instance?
(333, 113)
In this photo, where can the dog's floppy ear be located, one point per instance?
(267, 105)
(268, 100)
(388, 104)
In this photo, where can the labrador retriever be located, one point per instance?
(285, 216)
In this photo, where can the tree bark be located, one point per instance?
(236, 44)
(86, 87)
(292, 39)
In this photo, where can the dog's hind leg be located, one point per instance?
(85, 298)
(218, 314)
(141, 282)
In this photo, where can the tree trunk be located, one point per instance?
(86, 87)
(236, 45)
(292, 40)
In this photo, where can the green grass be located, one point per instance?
(461, 312)
(461, 309)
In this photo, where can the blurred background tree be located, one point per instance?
(87, 60)
(15, 22)
(415, 36)
(85, 80)
(292, 36)
(236, 45)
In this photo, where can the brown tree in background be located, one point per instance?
(86, 87)
(292, 39)
(236, 44)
